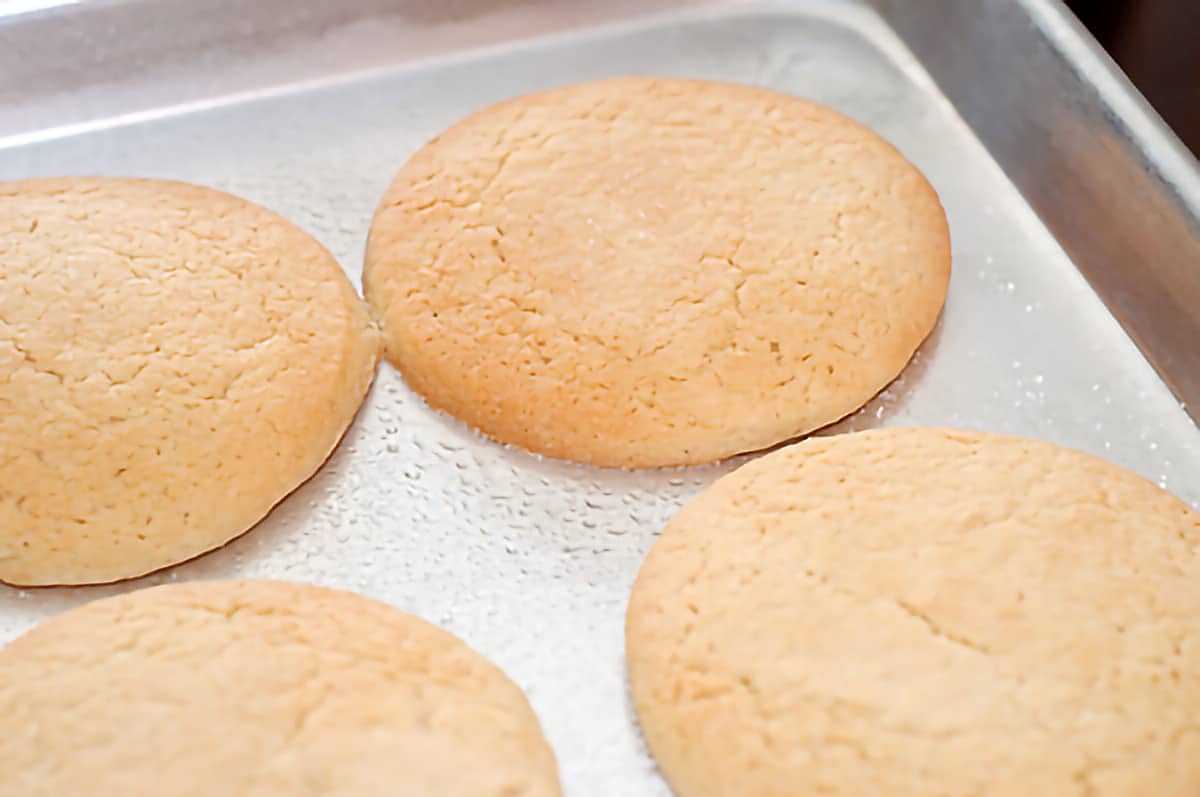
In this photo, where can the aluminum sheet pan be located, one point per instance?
(531, 560)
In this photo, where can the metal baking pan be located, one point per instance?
(1072, 313)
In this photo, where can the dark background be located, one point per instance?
(1157, 43)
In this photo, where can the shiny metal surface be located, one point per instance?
(531, 560)
(1119, 191)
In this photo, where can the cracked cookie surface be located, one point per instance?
(260, 689)
(642, 272)
(174, 360)
(921, 612)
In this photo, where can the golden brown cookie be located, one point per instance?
(173, 362)
(260, 689)
(923, 612)
(651, 271)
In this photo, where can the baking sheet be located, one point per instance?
(531, 560)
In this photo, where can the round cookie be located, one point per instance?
(920, 612)
(173, 362)
(646, 271)
(261, 689)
